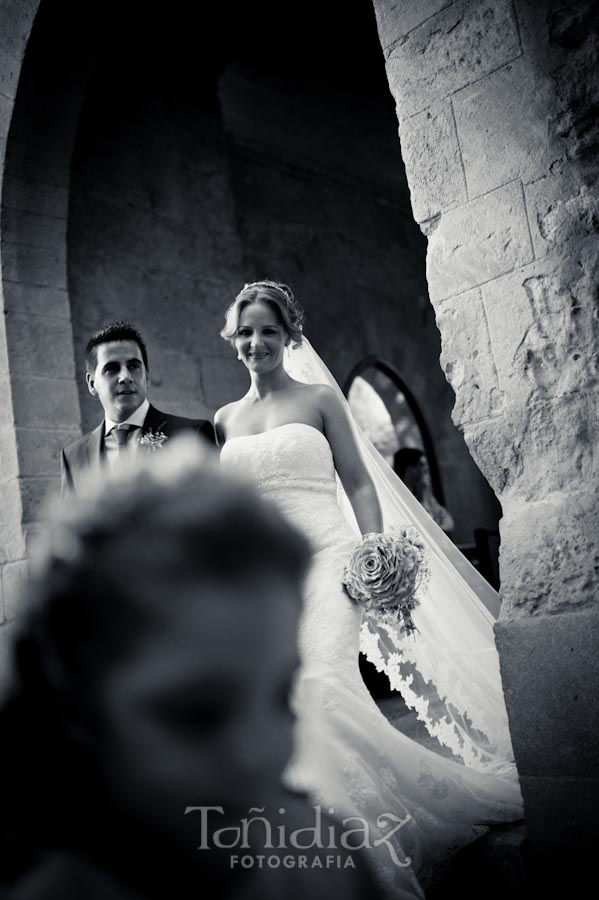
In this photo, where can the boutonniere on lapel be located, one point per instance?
(153, 440)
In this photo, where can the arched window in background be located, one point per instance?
(387, 412)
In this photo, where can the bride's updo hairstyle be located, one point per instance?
(288, 311)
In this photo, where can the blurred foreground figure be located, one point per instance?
(148, 706)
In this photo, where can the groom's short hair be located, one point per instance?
(114, 331)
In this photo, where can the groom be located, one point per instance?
(117, 374)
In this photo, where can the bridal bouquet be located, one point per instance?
(384, 574)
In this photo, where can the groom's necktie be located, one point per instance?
(121, 436)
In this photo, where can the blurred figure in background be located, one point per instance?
(151, 675)
(412, 467)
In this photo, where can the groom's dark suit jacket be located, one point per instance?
(88, 452)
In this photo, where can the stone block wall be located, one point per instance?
(171, 216)
(497, 104)
(40, 368)
(152, 233)
(17, 17)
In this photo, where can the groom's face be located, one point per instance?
(120, 379)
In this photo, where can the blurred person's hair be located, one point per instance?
(114, 331)
(173, 517)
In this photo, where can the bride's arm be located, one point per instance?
(219, 426)
(348, 462)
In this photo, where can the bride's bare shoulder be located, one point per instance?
(316, 392)
(222, 417)
(323, 396)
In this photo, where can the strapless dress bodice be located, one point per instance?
(292, 465)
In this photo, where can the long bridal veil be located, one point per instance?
(449, 670)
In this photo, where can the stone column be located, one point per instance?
(16, 18)
(497, 104)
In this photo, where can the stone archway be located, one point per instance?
(497, 104)
(52, 76)
(47, 78)
(17, 20)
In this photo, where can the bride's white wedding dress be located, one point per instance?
(347, 755)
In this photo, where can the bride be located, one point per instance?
(293, 435)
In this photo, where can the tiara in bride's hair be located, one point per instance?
(281, 288)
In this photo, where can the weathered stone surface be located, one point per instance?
(12, 543)
(551, 30)
(8, 451)
(4, 400)
(14, 576)
(478, 242)
(396, 18)
(41, 401)
(5, 395)
(152, 235)
(169, 240)
(528, 445)
(39, 449)
(35, 494)
(544, 326)
(560, 210)
(40, 345)
(47, 199)
(563, 40)
(530, 121)
(223, 381)
(2, 156)
(17, 18)
(32, 299)
(9, 69)
(34, 265)
(549, 555)
(32, 229)
(450, 50)
(32, 165)
(549, 666)
(467, 358)
(503, 126)
(6, 105)
(431, 155)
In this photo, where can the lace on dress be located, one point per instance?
(415, 806)
(449, 671)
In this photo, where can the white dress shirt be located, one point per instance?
(136, 419)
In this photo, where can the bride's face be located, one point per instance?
(260, 338)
